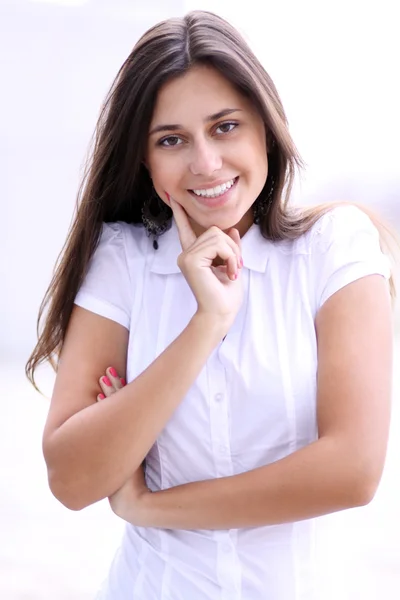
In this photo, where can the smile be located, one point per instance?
(217, 191)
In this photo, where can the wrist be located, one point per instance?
(215, 327)
(145, 510)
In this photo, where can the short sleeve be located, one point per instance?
(106, 289)
(345, 247)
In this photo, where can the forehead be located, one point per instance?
(201, 91)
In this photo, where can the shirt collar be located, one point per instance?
(255, 251)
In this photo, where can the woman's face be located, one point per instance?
(207, 149)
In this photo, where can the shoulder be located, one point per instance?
(338, 225)
(107, 288)
(343, 245)
(120, 246)
(123, 234)
(337, 221)
(123, 242)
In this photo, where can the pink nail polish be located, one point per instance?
(168, 196)
(101, 396)
(106, 381)
(241, 261)
(123, 382)
(113, 372)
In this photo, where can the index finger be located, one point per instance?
(186, 234)
(235, 236)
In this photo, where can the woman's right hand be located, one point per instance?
(218, 290)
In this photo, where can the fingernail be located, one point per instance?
(113, 372)
(168, 196)
(106, 381)
(241, 261)
(101, 396)
(123, 382)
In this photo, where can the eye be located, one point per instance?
(227, 127)
(171, 140)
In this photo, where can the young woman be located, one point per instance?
(255, 338)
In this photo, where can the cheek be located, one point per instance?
(260, 151)
(252, 148)
(260, 143)
(256, 161)
(166, 180)
(165, 170)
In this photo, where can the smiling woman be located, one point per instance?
(223, 359)
(208, 162)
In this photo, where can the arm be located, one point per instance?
(340, 470)
(92, 448)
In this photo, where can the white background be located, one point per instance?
(336, 68)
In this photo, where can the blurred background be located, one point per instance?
(336, 68)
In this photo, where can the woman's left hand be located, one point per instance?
(127, 502)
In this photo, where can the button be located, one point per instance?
(226, 548)
(223, 449)
(218, 397)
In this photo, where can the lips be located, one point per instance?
(215, 189)
(215, 201)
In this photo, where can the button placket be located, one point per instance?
(219, 416)
(229, 572)
(223, 358)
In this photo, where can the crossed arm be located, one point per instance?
(342, 469)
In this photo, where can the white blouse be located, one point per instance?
(253, 403)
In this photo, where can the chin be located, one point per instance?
(240, 222)
(221, 222)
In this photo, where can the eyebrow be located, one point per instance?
(214, 117)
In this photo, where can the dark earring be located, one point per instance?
(156, 216)
(262, 205)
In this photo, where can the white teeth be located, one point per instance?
(216, 191)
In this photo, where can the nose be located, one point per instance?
(205, 158)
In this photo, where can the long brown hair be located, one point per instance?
(116, 182)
